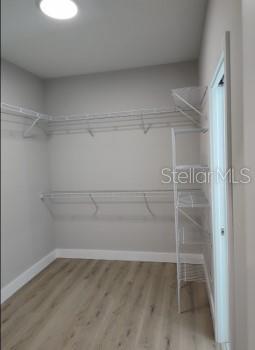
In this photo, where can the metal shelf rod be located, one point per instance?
(105, 194)
(109, 193)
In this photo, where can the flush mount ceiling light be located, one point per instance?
(59, 9)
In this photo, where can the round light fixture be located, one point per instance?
(59, 9)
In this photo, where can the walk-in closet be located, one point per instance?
(113, 230)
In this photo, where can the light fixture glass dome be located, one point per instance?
(59, 9)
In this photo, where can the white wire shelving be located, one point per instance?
(194, 199)
(182, 114)
(96, 199)
(189, 102)
(144, 119)
(195, 238)
(191, 273)
(35, 118)
(194, 168)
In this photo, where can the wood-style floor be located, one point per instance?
(107, 305)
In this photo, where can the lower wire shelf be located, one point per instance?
(191, 272)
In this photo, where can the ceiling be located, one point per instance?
(106, 35)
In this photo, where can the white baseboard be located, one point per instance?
(26, 276)
(126, 255)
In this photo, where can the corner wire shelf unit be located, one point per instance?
(189, 102)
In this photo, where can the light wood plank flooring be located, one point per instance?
(107, 305)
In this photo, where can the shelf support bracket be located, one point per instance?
(188, 104)
(145, 129)
(90, 131)
(47, 203)
(27, 131)
(191, 219)
(188, 116)
(148, 206)
(95, 204)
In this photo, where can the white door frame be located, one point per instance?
(222, 221)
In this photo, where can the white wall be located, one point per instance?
(26, 224)
(249, 159)
(225, 15)
(117, 160)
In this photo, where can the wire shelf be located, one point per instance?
(127, 120)
(193, 95)
(196, 238)
(22, 112)
(143, 119)
(191, 272)
(191, 167)
(183, 114)
(98, 199)
(189, 102)
(194, 199)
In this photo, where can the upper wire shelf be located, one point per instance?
(189, 102)
(23, 112)
(183, 115)
(36, 118)
(143, 119)
(126, 120)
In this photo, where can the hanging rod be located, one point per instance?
(111, 193)
(106, 194)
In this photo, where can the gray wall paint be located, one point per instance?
(21, 87)
(249, 159)
(223, 15)
(117, 160)
(26, 224)
(122, 160)
(121, 90)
